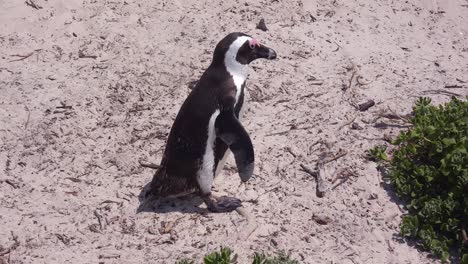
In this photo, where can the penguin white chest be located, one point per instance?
(205, 173)
(238, 73)
(238, 82)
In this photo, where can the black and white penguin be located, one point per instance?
(207, 127)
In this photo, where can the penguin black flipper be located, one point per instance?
(230, 131)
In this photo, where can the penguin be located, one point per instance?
(207, 127)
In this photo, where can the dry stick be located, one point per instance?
(337, 175)
(349, 122)
(73, 179)
(14, 185)
(317, 101)
(440, 92)
(81, 55)
(337, 47)
(64, 106)
(351, 79)
(22, 57)
(149, 165)
(341, 182)
(278, 133)
(99, 217)
(108, 256)
(110, 201)
(316, 83)
(15, 244)
(281, 101)
(251, 222)
(32, 4)
(453, 86)
(340, 154)
(390, 246)
(288, 149)
(63, 238)
(12, 72)
(168, 227)
(27, 120)
(392, 115)
(321, 189)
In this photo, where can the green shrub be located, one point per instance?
(185, 261)
(223, 256)
(377, 154)
(429, 172)
(280, 259)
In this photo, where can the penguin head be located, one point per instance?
(239, 48)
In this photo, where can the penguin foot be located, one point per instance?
(223, 204)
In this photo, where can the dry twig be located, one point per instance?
(27, 119)
(149, 165)
(349, 122)
(440, 92)
(344, 175)
(350, 83)
(15, 244)
(99, 218)
(13, 184)
(390, 114)
(81, 55)
(32, 4)
(167, 227)
(65, 240)
(321, 188)
(453, 86)
(21, 57)
(109, 256)
(340, 154)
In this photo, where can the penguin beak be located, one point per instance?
(266, 53)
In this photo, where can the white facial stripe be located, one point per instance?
(237, 70)
(205, 174)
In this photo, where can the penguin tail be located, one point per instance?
(151, 192)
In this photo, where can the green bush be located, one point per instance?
(377, 154)
(225, 256)
(280, 259)
(429, 172)
(221, 257)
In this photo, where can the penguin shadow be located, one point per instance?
(185, 204)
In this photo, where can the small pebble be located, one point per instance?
(273, 242)
(261, 25)
(321, 219)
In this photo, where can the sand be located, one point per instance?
(90, 88)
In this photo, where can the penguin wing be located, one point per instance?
(231, 132)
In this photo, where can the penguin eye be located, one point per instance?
(253, 43)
